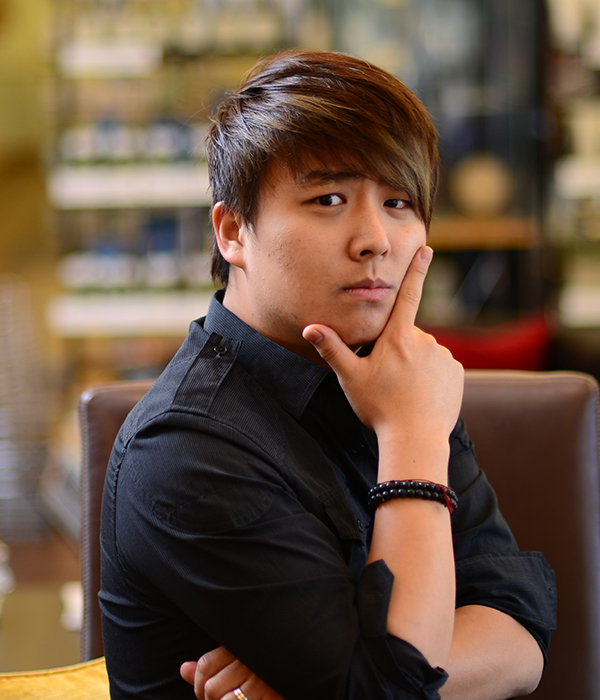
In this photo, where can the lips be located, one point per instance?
(369, 290)
(368, 284)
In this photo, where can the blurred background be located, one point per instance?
(104, 215)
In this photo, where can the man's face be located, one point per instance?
(328, 247)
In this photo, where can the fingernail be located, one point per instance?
(426, 254)
(312, 335)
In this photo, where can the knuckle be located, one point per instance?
(411, 295)
(211, 691)
(328, 352)
(204, 661)
(426, 341)
(422, 269)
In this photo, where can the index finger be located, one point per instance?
(407, 302)
(209, 665)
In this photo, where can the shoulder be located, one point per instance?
(206, 446)
(205, 392)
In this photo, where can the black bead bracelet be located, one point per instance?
(410, 488)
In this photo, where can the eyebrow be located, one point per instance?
(317, 177)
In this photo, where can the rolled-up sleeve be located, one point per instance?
(401, 662)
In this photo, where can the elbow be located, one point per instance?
(532, 673)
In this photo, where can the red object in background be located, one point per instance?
(521, 344)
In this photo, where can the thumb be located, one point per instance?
(331, 348)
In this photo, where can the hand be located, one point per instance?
(409, 384)
(218, 673)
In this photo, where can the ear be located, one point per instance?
(230, 234)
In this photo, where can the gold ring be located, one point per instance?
(239, 694)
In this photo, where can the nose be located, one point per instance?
(370, 238)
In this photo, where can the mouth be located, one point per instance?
(369, 290)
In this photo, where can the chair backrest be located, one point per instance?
(536, 436)
(102, 410)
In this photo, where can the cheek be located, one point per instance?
(408, 243)
(417, 236)
(420, 236)
(281, 248)
(300, 262)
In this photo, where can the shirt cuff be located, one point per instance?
(520, 584)
(397, 659)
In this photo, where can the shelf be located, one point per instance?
(458, 233)
(129, 186)
(577, 177)
(579, 306)
(109, 58)
(126, 315)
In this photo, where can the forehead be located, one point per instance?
(322, 176)
(312, 173)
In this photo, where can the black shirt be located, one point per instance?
(235, 514)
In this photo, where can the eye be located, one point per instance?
(397, 203)
(329, 200)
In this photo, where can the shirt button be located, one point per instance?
(359, 525)
(220, 350)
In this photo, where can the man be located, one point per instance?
(238, 524)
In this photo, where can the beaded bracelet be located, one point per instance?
(413, 489)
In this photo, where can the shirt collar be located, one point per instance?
(290, 379)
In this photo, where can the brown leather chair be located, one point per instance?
(102, 410)
(536, 436)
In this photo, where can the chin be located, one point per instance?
(357, 329)
(356, 340)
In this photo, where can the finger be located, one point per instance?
(209, 666)
(409, 296)
(246, 692)
(215, 660)
(254, 689)
(188, 671)
(224, 681)
(331, 348)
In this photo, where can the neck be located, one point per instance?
(237, 303)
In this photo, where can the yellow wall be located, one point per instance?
(23, 52)
(25, 241)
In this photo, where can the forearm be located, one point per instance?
(413, 537)
(492, 657)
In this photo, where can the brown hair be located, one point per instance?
(299, 107)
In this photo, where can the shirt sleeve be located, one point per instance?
(490, 571)
(400, 661)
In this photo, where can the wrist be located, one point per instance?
(412, 488)
(416, 457)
